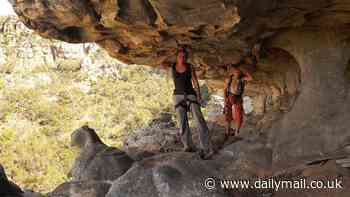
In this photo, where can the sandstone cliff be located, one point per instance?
(314, 34)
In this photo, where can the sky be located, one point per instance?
(5, 8)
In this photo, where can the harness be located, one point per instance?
(186, 103)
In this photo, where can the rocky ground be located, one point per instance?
(152, 164)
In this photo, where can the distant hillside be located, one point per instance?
(20, 47)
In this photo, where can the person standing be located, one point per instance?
(234, 89)
(188, 99)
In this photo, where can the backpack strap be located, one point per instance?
(240, 87)
(193, 102)
(191, 68)
(184, 104)
(229, 85)
(173, 70)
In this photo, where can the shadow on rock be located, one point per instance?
(81, 189)
(96, 160)
(10, 189)
(172, 174)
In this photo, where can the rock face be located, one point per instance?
(26, 53)
(308, 93)
(160, 133)
(81, 189)
(142, 32)
(21, 50)
(174, 174)
(95, 154)
(327, 172)
(147, 31)
(162, 136)
(10, 189)
(317, 124)
(246, 158)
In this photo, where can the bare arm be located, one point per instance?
(247, 76)
(227, 80)
(196, 83)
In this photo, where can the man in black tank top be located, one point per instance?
(186, 99)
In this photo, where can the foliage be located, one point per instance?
(42, 105)
(36, 122)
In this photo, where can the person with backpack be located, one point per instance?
(234, 89)
(188, 99)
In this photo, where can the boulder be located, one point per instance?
(81, 189)
(147, 32)
(96, 160)
(30, 193)
(154, 138)
(161, 135)
(137, 154)
(327, 174)
(165, 175)
(246, 158)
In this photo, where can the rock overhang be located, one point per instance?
(220, 32)
(148, 32)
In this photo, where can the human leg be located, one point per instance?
(201, 124)
(228, 115)
(185, 132)
(238, 116)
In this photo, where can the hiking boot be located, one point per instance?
(206, 154)
(189, 149)
(227, 136)
(234, 132)
(178, 138)
(229, 132)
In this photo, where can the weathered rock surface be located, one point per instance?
(317, 124)
(27, 51)
(30, 193)
(327, 174)
(172, 174)
(309, 94)
(147, 32)
(221, 32)
(246, 158)
(94, 155)
(345, 162)
(81, 189)
(160, 134)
